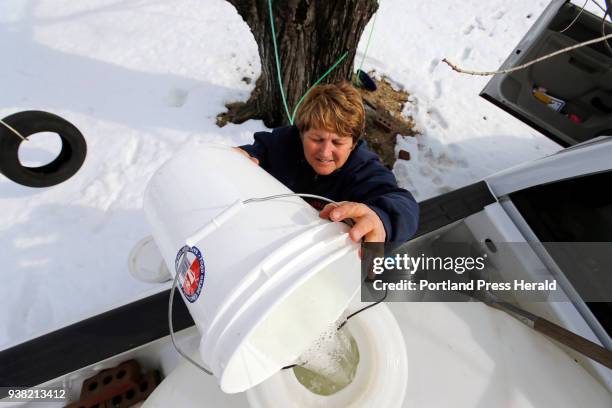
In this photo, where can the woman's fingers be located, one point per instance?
(369, 228)
(377, 233)
(348, 209)
(367, 224)
(324, 213)
(362, 228)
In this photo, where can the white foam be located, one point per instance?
(333, 357)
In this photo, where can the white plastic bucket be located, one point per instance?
(263, 279)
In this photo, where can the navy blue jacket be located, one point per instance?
(362, 179)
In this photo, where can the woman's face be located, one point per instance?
(326, 151)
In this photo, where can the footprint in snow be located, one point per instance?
(176, 98)
(437, 89)
(425, 170)
(433, 64)
(467, 30)
(466, 53)
(444, 160)
(437, 117)
(479, 24)
(499, 14)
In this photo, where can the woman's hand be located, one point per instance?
(367, 223)
(253, 159)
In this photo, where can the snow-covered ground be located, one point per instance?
(142, 79)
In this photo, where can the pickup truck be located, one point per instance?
(562, 198)
(565, 198)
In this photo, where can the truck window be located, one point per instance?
(576, 210)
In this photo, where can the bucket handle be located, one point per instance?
(215, 223)
(233, 209)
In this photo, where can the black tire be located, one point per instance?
(65, 165)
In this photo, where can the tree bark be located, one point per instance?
(311, 36)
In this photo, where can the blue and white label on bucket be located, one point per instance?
(189, 266)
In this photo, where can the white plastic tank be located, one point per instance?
(261, 279)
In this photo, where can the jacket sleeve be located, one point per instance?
(258, 149)
(375, 186)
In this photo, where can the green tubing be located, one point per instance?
(278, 67)
(368, 43)
(291, 117)
(315, 84)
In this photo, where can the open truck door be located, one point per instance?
(568, 98)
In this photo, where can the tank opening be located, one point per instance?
(331, 362)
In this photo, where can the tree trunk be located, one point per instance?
(311, 36)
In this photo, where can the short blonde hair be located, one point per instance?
(336, 108)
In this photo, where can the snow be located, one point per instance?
(142, 79)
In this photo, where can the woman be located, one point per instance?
(324, 155)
